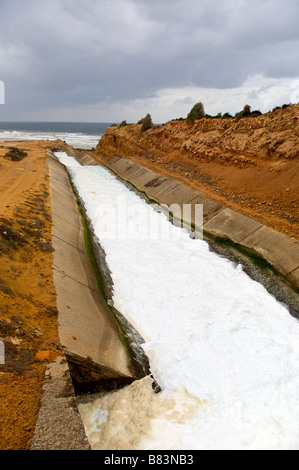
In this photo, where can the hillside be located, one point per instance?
(249, 165)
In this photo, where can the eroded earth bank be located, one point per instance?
(249, 165)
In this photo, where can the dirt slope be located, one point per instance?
(28, 313)
(249, 165)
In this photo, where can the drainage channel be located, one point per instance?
(223, 350)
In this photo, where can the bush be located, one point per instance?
(197, 112)
(15, 154)
(245, 113)
(227, 116)
(146, 123)
(246, 110)
(123, 123)
(255, 113)
(248, 113)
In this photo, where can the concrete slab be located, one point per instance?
(210, 208)
(76, 262)
(293, 277)
(280, 250)
(70, 236)
(155, 182)
(165, 193)
(84, 332)
(87, 160)
(141, 177)
(232, 225)
(177, 194)
(121, 165)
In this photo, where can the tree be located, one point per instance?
(245, 113)
(197, 112)
(146, 123)
(246, 110)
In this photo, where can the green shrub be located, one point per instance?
(256, 113)
(146, 123)
(227, 116)
(197, 112)
(244, 113)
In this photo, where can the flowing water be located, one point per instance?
(223, 350)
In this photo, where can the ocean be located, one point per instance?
(83, 135)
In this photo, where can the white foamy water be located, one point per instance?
(77, 140)
(225, 352)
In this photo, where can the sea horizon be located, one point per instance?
(78, 134)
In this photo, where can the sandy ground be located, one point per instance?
(28, 313)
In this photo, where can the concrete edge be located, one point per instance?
(59, 425)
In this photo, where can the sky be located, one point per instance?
(115, 60)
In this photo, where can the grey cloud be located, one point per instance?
(252, 95)
(72, 52)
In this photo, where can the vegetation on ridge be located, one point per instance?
(146, 123)
(197, 112)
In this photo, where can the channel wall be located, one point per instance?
(92, 349)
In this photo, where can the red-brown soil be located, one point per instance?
(28, 313)
(250, 165)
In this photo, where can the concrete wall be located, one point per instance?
(87, 330)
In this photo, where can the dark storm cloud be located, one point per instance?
(75, 52)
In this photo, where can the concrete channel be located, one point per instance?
(93, 349)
